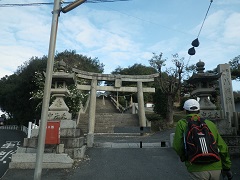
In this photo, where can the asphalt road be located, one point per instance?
(9, 141)
(120, 164)
(117, 164)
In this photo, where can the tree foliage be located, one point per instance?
(75, 97)
(136, 69)
(235, 68)
(14, 92)
(15, 98)
(79, 61)
(160, 103)
(169, 81)
(236, 95)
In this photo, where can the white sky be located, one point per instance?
(123, 33)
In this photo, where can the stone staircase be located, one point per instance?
(104, 105)
(109, 119)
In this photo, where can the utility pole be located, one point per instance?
(48, 82)
(47, 91)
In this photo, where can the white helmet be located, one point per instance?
(191, 105)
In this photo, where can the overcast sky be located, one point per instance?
(123, 33)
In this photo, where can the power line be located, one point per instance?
(205, 17)
(40, 3)
(195, 43)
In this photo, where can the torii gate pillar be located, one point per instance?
(142, 117)
(92, 112)
(95, 77)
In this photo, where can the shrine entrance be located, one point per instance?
(117, 79)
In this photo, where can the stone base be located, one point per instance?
(59, 115)
(34, 133)
(70, 132)
(224, 127)
(71, 146)
(233, 143)
(90, 139)
(50, 161)
(76, 153)
(72, 142)
(26, 150)
(211, 114)
(30, 142)
(58, 149)
(69, 141)
(68, 124)
(67, 129)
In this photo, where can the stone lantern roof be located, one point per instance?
(61, 75)
(202, 76)
(204, 82)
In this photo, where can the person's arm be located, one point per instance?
(224, 153)
(178, 141)
(222, 146)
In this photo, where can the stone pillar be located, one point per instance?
(141, 109)
(226, 91)
(103, 102)
(134, 108)
(92, 112)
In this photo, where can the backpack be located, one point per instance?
(200, 144)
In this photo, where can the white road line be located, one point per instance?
(6, 155)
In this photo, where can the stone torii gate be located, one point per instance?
(93, 88)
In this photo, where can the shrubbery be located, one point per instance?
(153, 117)
(160, 103)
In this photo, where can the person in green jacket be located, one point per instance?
(211, 171)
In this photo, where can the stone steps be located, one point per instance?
(105, 106)
(108, 118)
(105, 123)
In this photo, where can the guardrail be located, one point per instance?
(24, 129)
(117, 105)
(15, 127)
(11, 127)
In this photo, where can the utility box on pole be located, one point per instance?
(53, 132)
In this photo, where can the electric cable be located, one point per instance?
(195, 42)
(39, 4)
(205, 18)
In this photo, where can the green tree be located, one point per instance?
(79, 61)
(15, 97)
(160, 103)
(236, 95)
(14, 92)
(235, 68)
(169, 81)
(136, 69)
(72, 60)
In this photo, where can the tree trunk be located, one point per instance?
(169, 115)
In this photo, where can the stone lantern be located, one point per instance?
(204, 83)
(60, 79)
